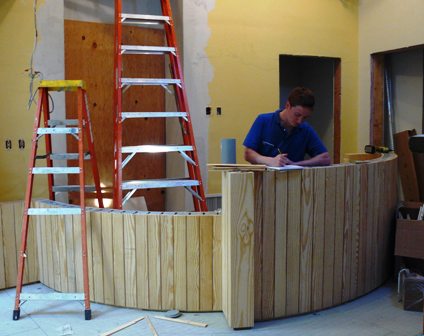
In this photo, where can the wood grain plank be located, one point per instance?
(347, 233)
(193, 263)
(318, 239)
(258, 226)
(2, 255)
(378, 173)
(363, 229)
(118, 258)
(107, 254)
(130, 261)
(406, 165)
(377, 99)
(268, 245)
(293, 242)
(240, 260)
(9, 241)
(96, 230)
(89, 239)
(281, 196)
(142, 266)
(62, 267)
(369, 275)
(32, 249)
(41, 223)
(338, 237)
(78, 253)
(17, 225)
(226, 302)
(167, 262)
(180, 262)
(329, 235)
(217, 263)
(56, 242)
(306, 241)
(356, 208)
(154, 241)
(206, 276)
(70, 253)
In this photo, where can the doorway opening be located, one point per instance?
(397, 85)
(323, 76)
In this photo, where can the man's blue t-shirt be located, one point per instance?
(267, 136)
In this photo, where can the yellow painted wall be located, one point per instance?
(16, 43)
(246, 40)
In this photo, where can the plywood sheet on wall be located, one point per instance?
(89, 56)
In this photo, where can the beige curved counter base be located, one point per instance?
(286, 243)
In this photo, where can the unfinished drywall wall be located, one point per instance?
(244, 49)
(383, 25)
(17, 37)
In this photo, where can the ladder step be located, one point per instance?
(143, 19)
(160, 183)
(150, 81)
(127, 115)
(56, 170)
(53, 211)
(52, 296)
(156, 149)
(64, 122)
(69, 156)
(58, 130)
(70, 188)
(132, 49)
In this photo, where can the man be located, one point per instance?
(283, 138)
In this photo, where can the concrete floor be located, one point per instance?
(377, 314)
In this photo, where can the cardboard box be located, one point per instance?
(409, 232)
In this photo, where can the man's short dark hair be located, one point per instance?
(302, 96)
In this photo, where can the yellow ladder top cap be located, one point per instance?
(62, 85)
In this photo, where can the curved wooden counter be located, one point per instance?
(323, 236)
(286, 243)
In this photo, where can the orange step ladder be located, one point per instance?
(80, 129)
(187, 150)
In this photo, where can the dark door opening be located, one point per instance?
(322, 76)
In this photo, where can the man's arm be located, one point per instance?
(254, 157)
(322, 159)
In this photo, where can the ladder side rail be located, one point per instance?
(117, 183)
(188, 137)
(48, 141)
(93, 157)
(28, 197)
(81, 104)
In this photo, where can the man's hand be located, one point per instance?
(279, 161)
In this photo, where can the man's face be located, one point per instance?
(297, 114)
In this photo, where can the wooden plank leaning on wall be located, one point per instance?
(96, 42)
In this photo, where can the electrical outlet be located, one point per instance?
(8, 144)
(21, 143)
